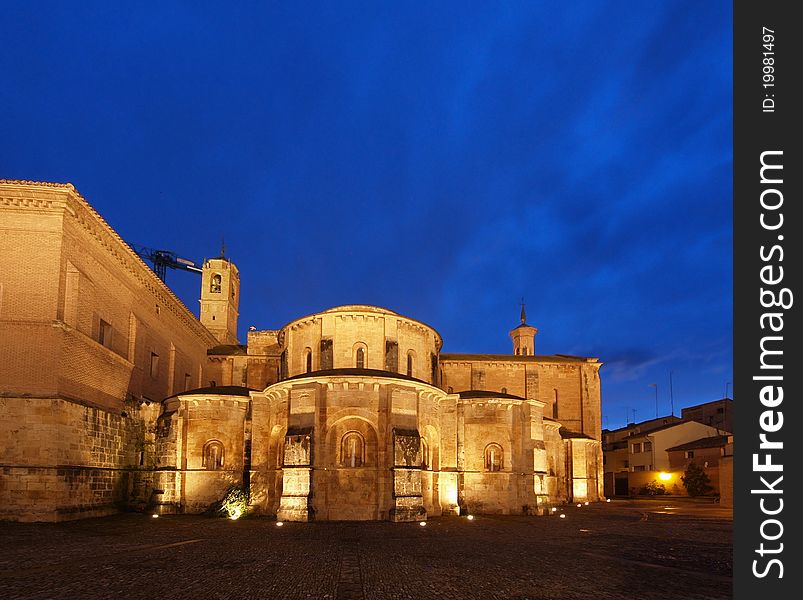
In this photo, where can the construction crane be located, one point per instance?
(162, 259)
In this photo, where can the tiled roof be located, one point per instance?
(714, 441)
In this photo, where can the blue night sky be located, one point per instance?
(439, 159)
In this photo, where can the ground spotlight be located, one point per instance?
(279, 523)
(155, 516)
(470, 517)
(422, 523)
(562, 516)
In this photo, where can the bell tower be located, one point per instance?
(220, 298)
(523, 336)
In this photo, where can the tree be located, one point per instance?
(695, 480)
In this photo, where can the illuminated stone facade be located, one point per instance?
(113, 395)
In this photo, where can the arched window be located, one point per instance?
(555, 405)
(308, 360)
(216, 283)
(360, 355)
(212, 456)
(450, 390)
(493, 457)
(425, 462)
(410, 363)
(352, 450)
(504, 390)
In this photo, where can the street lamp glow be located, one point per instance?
(663, 476)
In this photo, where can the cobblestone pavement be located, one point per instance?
(623, 549)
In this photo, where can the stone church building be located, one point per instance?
(114, 396)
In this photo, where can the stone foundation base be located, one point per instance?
(294, 508)
(408, 508)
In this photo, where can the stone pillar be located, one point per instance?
(408, 501)
(296, 501)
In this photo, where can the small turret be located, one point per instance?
(523, 336)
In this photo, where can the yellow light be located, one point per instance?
(470, 517)
(579, 505)
(562, 516)
(554, 509)
(235, 514)
(663, 476)
(279, 523)
(586, 503)
(155, 516)
(422, 523)
(608, 500)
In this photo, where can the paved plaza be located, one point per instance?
(647, 549)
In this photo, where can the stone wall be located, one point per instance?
(367, 327)
(571, 383)
(62, 460)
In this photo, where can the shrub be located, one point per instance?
(696, 481)
(653, 488)
(233, 505)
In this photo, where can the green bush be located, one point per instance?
(233, 505)
(653, 488)
(695, 480)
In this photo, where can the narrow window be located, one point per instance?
(493, 457)
(690, 454)
(391, 356)
(216, 284)
(105, 334)
(325, 357)
(212, 455)
(308, 360)
(504, 390)
(154, 364)
(359, 358)
(555, 405)
(187, 381)
(352, 450)
(425, 464)
(410, 363)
